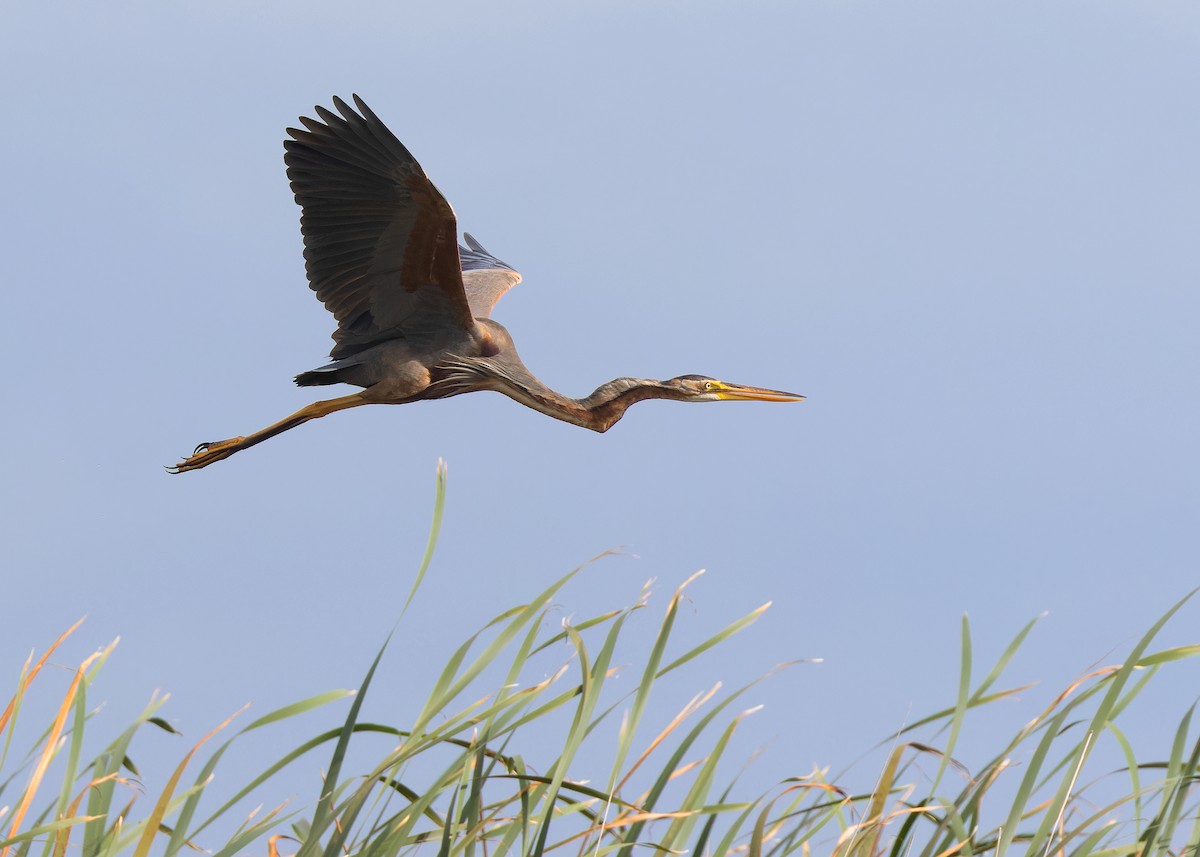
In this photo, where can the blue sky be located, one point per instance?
(966, 231)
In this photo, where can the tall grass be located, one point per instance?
(455, 780)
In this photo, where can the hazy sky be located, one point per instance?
(967, 231)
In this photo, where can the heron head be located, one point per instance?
(700, 388)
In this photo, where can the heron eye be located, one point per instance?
(708, 385)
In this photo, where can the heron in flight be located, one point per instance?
(413, 307)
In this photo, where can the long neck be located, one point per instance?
(600, 410)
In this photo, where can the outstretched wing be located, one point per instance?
(379, 239)
(485, 277)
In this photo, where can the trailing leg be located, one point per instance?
(206, 453)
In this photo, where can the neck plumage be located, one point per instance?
(599, 411)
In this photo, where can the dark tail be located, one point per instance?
(318, 378)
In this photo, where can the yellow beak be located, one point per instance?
(738, 393)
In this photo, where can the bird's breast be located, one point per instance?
(489, 345)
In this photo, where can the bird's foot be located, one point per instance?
(206, 453)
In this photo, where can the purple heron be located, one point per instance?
(413, 307)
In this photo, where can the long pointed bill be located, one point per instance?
(738, 393)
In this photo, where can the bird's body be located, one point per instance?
(413, 307)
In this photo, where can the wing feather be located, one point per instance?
(379, 239)
(485, 277)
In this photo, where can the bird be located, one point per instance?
(413, 305)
